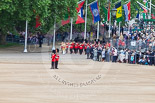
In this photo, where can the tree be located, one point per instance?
(14, 12)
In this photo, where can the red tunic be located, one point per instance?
(53, 57)
(76, 46)
(71, 46)
(57, 57)
(81, 47)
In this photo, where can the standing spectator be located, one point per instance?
(108, 55)
(115, 55)
(91, 52)
(95, 54)
(103, 55)
(151, 57)
(126, 56)
(88, 52)
(132, 59)
(40, 39)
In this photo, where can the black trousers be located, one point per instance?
(76, 50)
(151, 60)
(53, 63)
(114, 58)
(56, 64)
(91, 55)
(87, 55)
(40, 44)
(81, 50)
(71, 51)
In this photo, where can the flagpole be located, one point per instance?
(98, 27)
(119, 28)
(143, 5)
(85, 34)
(117, 2)
(139, 16)
(150, 8)
(150, 14)
(25, 48)
(128, 27)
(98, 30)
(80, 1)
(109, 23)
(54, 37)
(71, 29)
(92, 2)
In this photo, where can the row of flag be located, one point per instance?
(94, 8)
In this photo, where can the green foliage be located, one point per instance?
(14, 13)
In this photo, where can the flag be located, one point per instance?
(37, 21)
(95, 11)
(80, 13)
(137, 16)
(127, 11)
(66, 19)
(105, 12)
(143, 9)
(109, 12)
(118, 12)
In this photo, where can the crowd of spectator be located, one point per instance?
(134, 48)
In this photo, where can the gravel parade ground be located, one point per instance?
(27, 78)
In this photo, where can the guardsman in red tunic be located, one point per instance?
(73, 44)
(81, 49)
(71, 48)
(76, 48)
(53, 60)
(56, 58)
